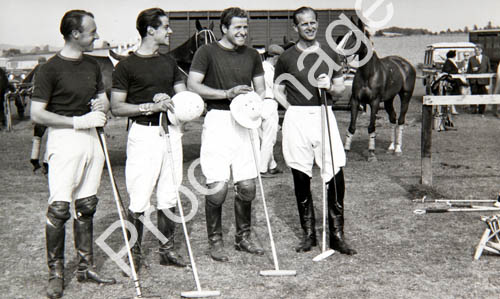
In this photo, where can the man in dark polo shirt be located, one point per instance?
(64, 87)
(220, 71)
(142, 86)
(302, 128)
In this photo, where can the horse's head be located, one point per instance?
(204, 35)
(184, 53)
(348, 43)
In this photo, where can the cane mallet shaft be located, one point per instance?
(119, 206)
(276, 271)
(324, 252)
(199, 293)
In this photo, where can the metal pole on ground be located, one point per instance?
(276, 271)
(324, 112)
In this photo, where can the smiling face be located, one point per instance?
(237, 32)
(307, 26)
(162, 34)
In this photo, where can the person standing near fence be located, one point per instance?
(76, 159)
(268, 130)
(38, 130)
(479, 64)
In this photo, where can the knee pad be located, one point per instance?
(217, 198)
(245, 190)
(85, 207)
(58, 213)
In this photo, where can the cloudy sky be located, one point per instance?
(36, 22)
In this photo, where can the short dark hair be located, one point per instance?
(72, 20)
(227, 15)
(480, 46)
(451, 54)
(149, 17)
(302, 10)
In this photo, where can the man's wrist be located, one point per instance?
(146, 108)
(226, 94)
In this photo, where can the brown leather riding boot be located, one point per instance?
(136, 248)
(168, 255)
(83, 235)
(302, 183)
(55, 260)
(336, 215)
(214, 230)
(243, 215)
(57, 215)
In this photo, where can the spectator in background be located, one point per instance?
(450, 67)
(479, 64)
(4, 84)
(270, 118)
(497, 91)
(38, 130)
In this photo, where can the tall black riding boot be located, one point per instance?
(214, 230)
(83, 233)
(243, 215)
(302, 183)
(136, 247)
(168, 255)
(57, 215)
(336, 215)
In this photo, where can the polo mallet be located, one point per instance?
(445, 210)
(199, 293)
(276, 271)
(324, 252)
(120, 207)
(496, 202)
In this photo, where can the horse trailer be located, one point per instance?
(265, 26)
(490, 40)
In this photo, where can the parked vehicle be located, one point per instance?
(435, 56)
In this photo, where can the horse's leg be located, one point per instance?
(352, 125)
(405, 97)
(374, 105)
(389, 108)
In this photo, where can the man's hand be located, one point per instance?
(237, 90)
(163, 102)
(98, 105)
(324, 81)
(92, 119)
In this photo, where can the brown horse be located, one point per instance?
(379, 80)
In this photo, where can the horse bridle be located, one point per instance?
(208, 34)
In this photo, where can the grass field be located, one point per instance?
(400, 255)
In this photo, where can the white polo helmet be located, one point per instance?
(188, 106)
(246, 109)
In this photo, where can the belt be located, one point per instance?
(147, 123)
